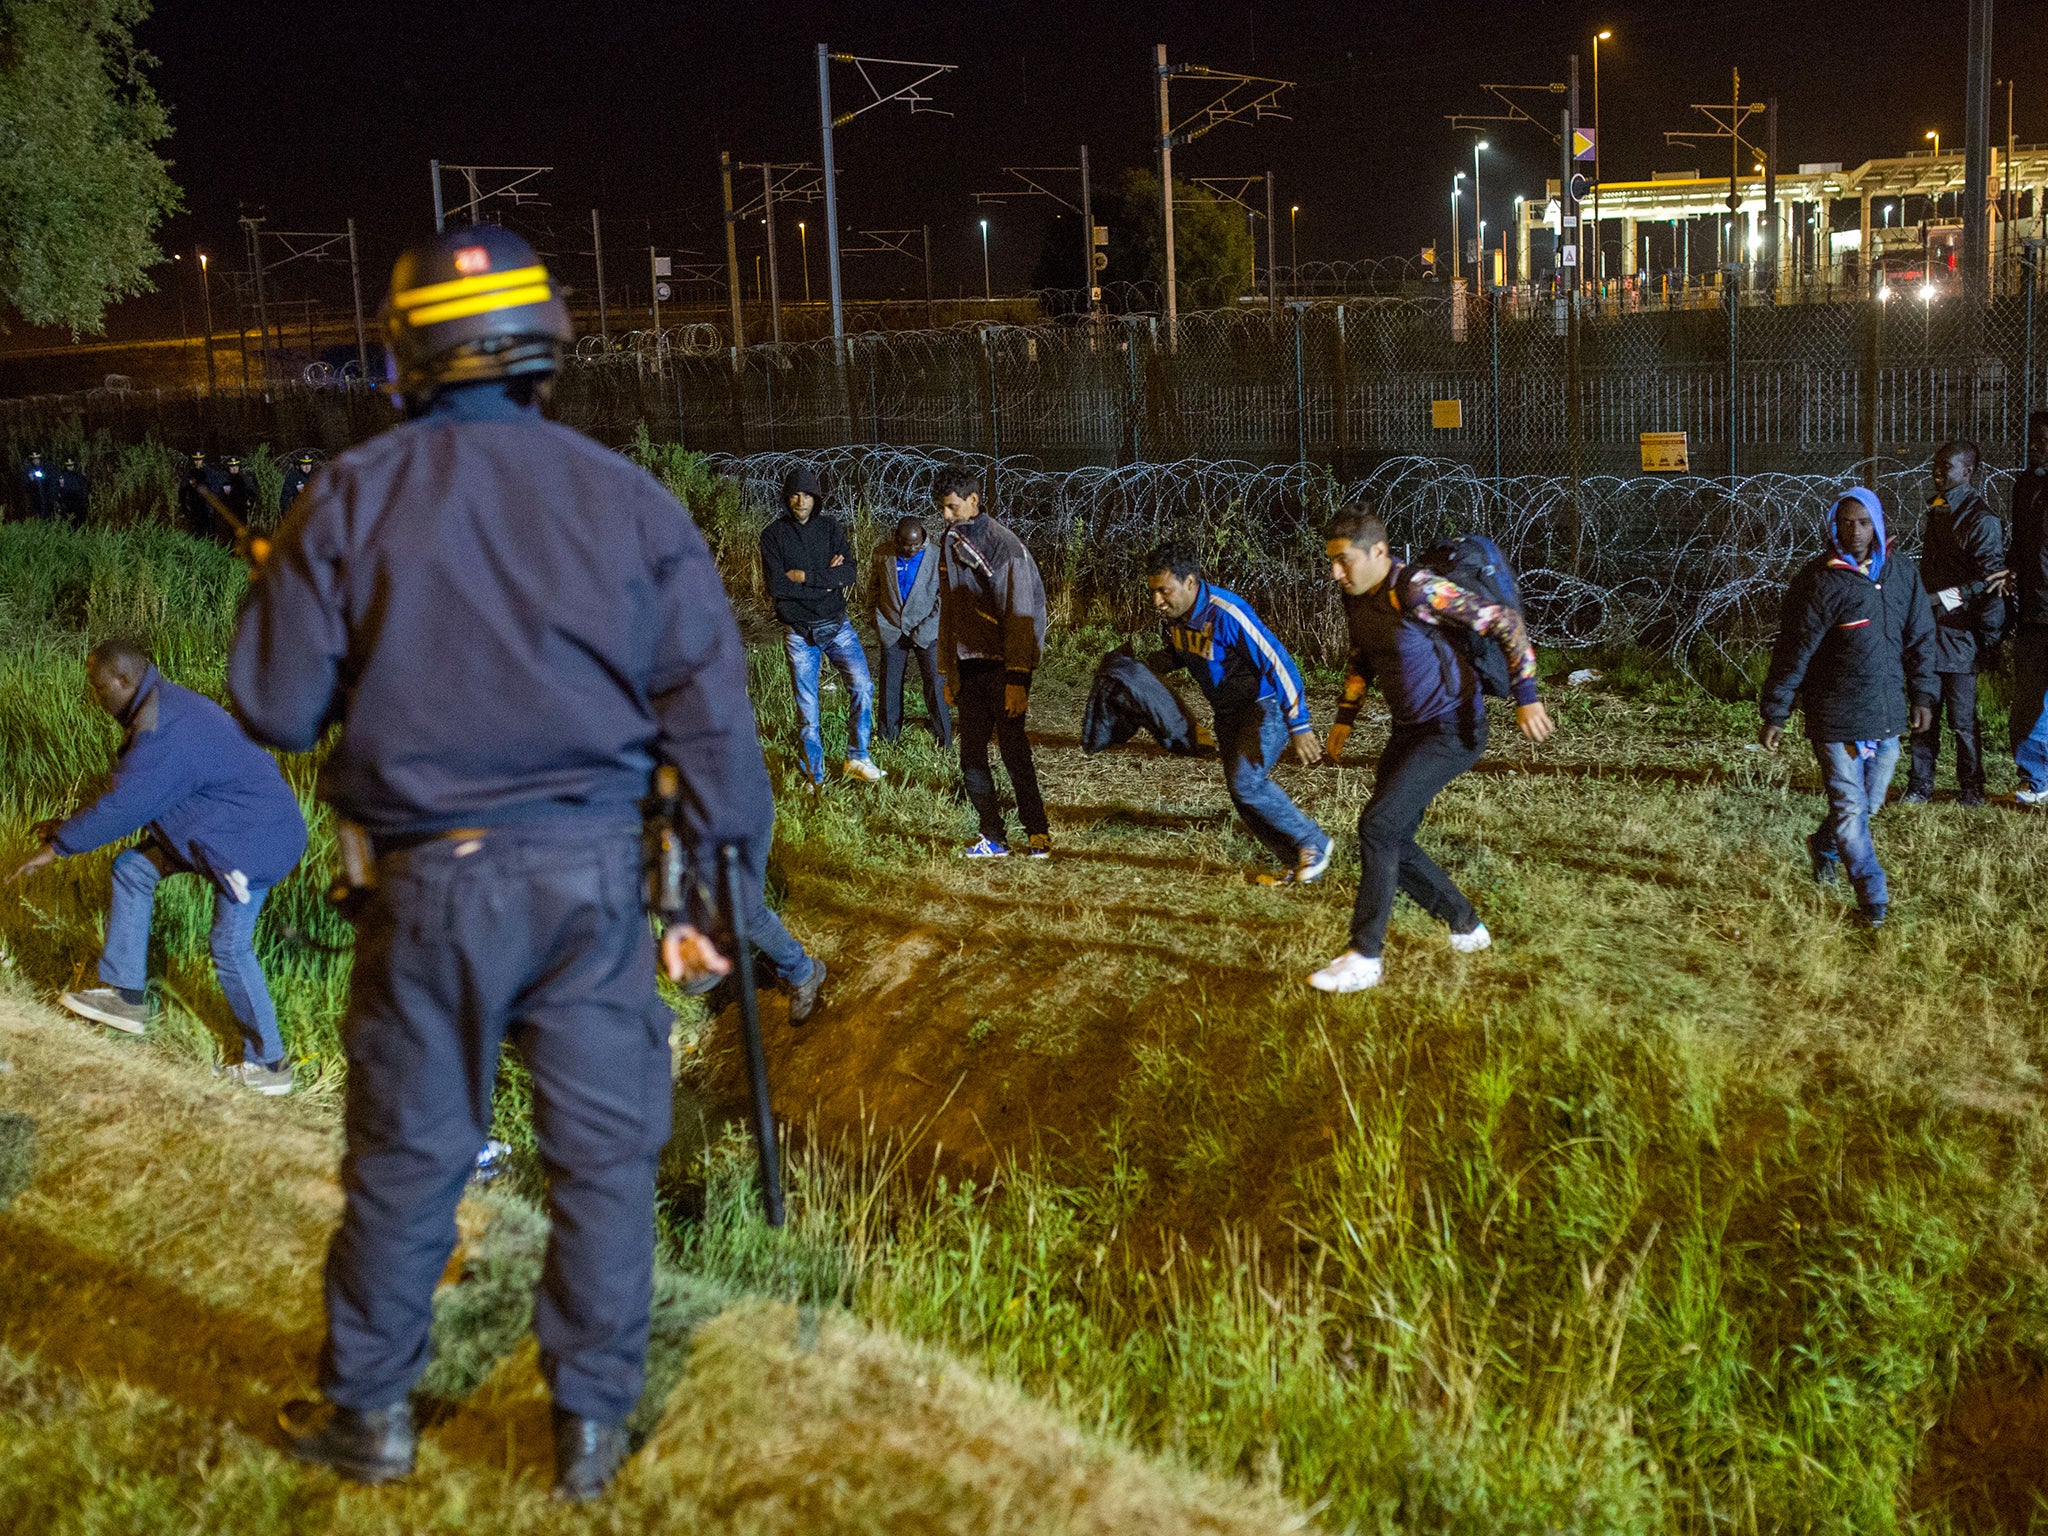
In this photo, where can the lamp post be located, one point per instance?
(1519, 200)
(206, 297)
(987, 295)
(1457, 247)
(1479, 224)
(1934, 134)
(1599, 251)
(803, 239)
(1293, 251)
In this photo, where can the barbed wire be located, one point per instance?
(1689, 568)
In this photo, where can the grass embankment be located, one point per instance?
(1686, 1207)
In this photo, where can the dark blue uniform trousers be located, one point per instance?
(536, 935)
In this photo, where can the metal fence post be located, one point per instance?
(1343, 397)
(1300, 399)
(1873, 353)
(1732, 293)
(1493, 327)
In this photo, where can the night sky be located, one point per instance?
(314, 114)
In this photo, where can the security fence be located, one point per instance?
(1512, 389)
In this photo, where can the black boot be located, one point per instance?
(587, 1456)
(365, 1446)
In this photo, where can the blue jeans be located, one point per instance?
(1855, 789)
(842, 646)
(1251, 741)
(125, 960)
(2030, 704)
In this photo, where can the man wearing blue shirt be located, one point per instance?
(214, 805)
(1261, 708)
(907, 622)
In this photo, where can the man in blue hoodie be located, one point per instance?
(215, 805)
(1261, 708)
(1856, 637)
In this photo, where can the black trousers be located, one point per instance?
(1959, 700)
(895, 659)
(1418, 762)
(982, 718)
(538, 936)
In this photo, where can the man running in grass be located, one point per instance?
(1261, 710)
(1397, 616)
(1856, 635)
(215, 805)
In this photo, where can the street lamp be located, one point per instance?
(206, 296)
(1479, 245)
(803, 239)
(1293, 251)
(1934, 134)
(1599, 255)
(1519, 200)
(988, 296)
(1457, 249)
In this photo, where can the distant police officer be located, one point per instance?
(38, 486)
(240, 494)
(513, 627)
(74, 493)
(295, 479)
(194, 511)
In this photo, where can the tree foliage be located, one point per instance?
(1212, 248)
(82, 189)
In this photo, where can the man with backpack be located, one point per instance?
(1856, 638)
(2030, 631)
(1438, 637)
(1261, 709)
(1962, 566)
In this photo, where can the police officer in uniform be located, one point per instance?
(74, 493)
(295, 480)
(38, 487)
(194, 511)
(513, 627)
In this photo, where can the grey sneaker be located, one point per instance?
(803, 998)
(103, 1005)
(271, 1082)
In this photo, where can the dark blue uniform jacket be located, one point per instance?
(209, 793)
(511, 624)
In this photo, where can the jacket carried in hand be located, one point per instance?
(2030, 545)
(208, 794)
(916, 614)
(1853, 642)
(1963, 549)
(991, 600)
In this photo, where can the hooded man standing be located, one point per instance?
(1962, 565)
(807, 562)
(1856, 636)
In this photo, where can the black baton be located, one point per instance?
(750, 1032)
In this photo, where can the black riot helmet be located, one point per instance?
(469, 305)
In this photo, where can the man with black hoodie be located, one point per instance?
(2030, 631)
(807, 561)
(1855, 638)
(1962, 566)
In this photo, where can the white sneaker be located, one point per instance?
(1349, 972)
(1473, 942)
(2026, 796)
(860, 768)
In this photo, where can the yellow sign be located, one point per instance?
(1447, 413)
(1582, 143)
(1664, 453)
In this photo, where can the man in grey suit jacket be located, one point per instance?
(907, 619)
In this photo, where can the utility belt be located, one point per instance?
(356, 881)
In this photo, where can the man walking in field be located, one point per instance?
(1855, 638)
(1399, 616)
(1962, 566)
(214, 805)
(1255, 689)
(991, 637)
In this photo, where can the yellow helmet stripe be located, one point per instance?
(481, 304)
(462, 287)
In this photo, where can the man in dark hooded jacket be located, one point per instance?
(1962, 566)
(807, 562)
(1856, 637)
(74, 493)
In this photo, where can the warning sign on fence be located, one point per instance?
(1447, 413)
(1664, 453)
